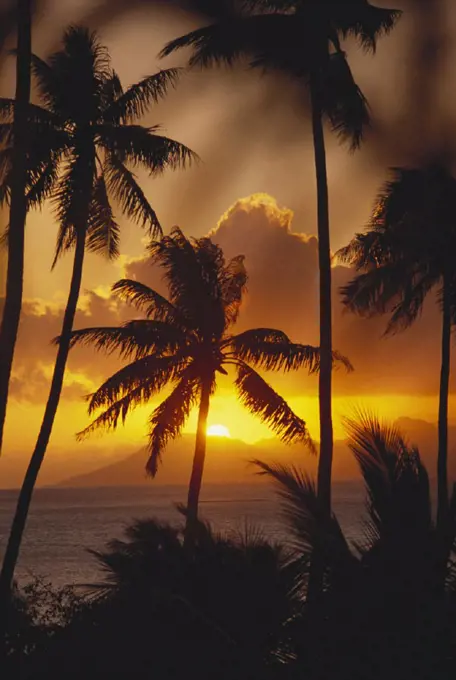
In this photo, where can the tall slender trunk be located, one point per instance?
(442, 473)
(18, 211)
(198, 459)
(324, 259)
(25, 495)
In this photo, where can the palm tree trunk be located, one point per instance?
(198, 459)
(18, 211)
(25, 495)
(442, 473)
(324, 259)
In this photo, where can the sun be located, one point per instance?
(218, 431)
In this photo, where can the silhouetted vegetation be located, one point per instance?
(185, 341)
(235, 604)
(382, 605)
(303, 40)
(405, 254)
(83, 143)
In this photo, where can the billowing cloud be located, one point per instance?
(283, 292)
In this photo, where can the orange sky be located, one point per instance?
(255, 188)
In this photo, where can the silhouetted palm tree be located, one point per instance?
(81, 143)
(386, 597)
(185, 341)
(9, 324)
(302, 39)
(406, 252)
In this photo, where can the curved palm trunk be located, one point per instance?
(442, 473)
(198, 460)
(18, 211)
(324, 259)
(25, 496)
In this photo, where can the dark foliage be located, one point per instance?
(388, 606)
(163, 611)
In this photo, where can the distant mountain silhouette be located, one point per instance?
(227, 460)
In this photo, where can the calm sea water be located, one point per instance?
(64, 523)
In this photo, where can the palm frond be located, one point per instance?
(366, 250)
(399, 288)
(266, 39)
(6, 134)
(5, 199)
(193, 274)
(134, 103)
(119, 410)
(122, 184)
(409, 201)
(312, 529)
(71, 199)
(7, 109)
(47, 83)
(364, 21)
(375, 291)
(40, 187)
(134, 339)
(111, 91)
(410, 304)
(103, 232)
(169, 418)
(153, 304)
(139, 380)
(73, 81)
(66, 240)
(37, 115)
(44, 153)
(342, 101)
(233, 286)
(272, 350)
(396, 482)
(261, 400)
(141, 146)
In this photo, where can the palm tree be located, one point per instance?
(302, 39)
(15, 272)
(81, 143)
(386, 600)
(406, 253)
(185, 341)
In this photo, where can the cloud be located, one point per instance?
(282, 293)
(35, 351)
(33, 385)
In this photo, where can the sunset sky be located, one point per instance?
(254, 193)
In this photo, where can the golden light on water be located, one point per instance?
(218, 431)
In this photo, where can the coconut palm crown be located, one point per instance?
(185, 341)
(301, 38)
(84, 139)
(406, 253)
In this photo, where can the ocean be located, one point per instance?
(64, 523)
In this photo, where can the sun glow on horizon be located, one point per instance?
(218, 431)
